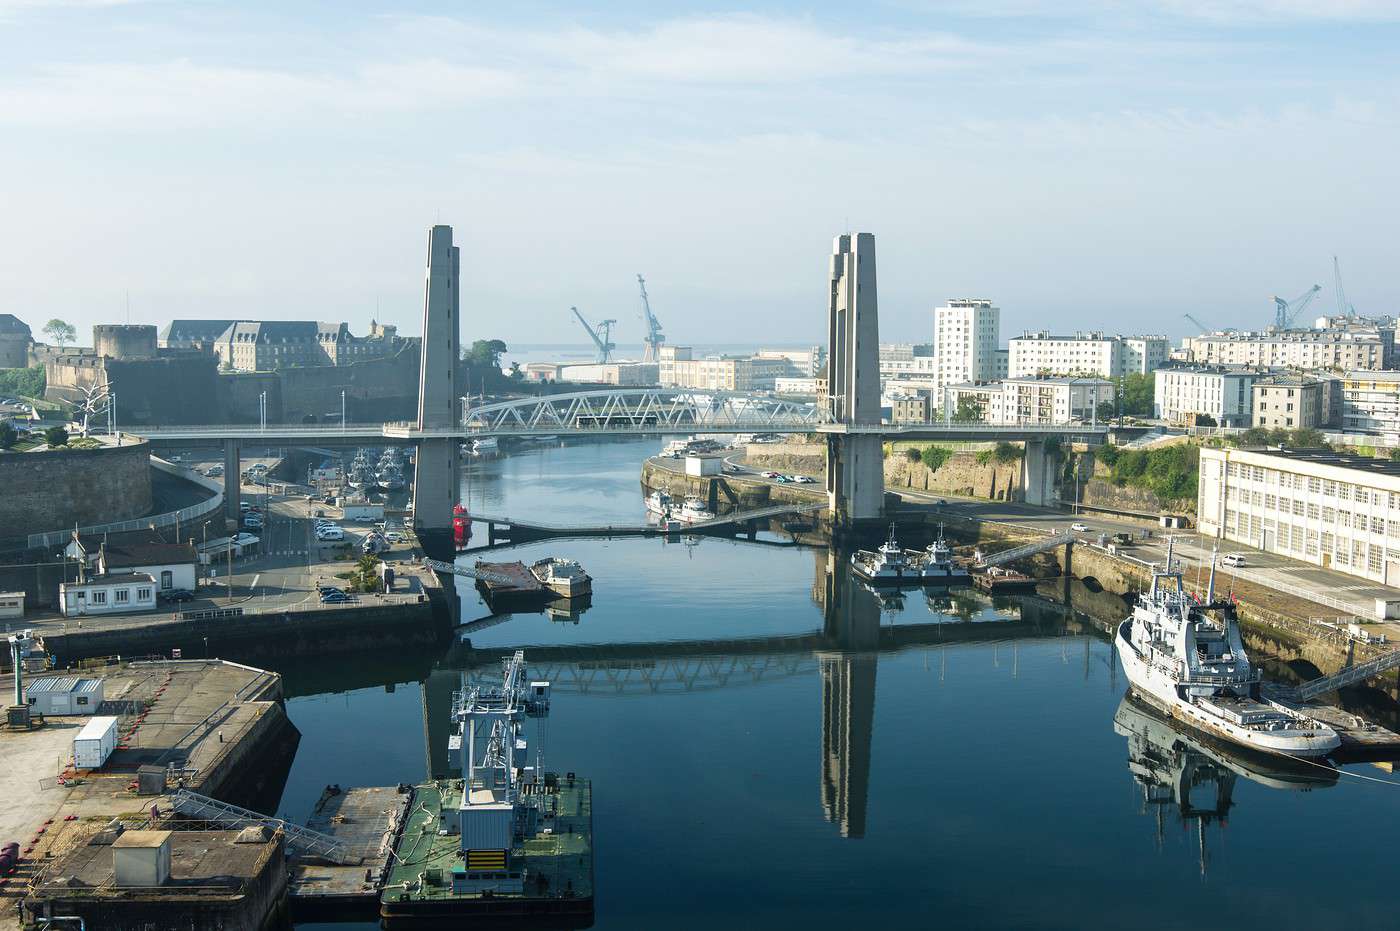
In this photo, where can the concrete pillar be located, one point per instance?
(437, 472)
(1038, 475)
(855, 468)
(852, 624)
(233, 480)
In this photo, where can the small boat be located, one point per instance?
(694, 511)
(998, 580)
(564, 576)
(887, 565)
(936, 565)
(660, 503)
(461, 527)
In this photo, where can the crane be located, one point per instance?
(1343, 308)
(600, 335)
(654, 338)
(1285, 312)
(1204, 328)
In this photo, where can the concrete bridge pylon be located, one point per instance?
(437, 475)
(855, 482)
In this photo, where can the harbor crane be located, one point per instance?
(1203, 327)
(1285, 312)
(1343, 308)
(601, 335)
(654, 337)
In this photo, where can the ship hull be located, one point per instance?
(1158, 689)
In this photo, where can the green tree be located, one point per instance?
(56, 436)
(1005, 452)
(969, 410)
(935, 456)
(1135, 391)
(485, 353)
(1306, 438)
(1205, 420)
(1107, 454)
(60, 332)
(8, 436)
(27, 383)
(1106, 410)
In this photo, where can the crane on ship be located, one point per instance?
(654, 337)
(1286, 312)
(601, 336)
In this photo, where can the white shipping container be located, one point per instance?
(94, 743)
(486, 827)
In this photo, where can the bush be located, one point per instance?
(28, 383)
(912, 455)
(7, 435)
(56, 436)
(1107, 454)
(1168, 472)
(1006, 452)
(935, 456)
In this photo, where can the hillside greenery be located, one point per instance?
(1169, 472)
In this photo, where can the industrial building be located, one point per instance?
(63, 695)
(1085, 354)
(1329, 509)
(609, 373)
(1216, 394)
(678, 368)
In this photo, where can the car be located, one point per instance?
(771, 474)
(393, 536)
(804, 480)
(335, 598)
(244, 539)
(732, 470)
(253, 522)
(214, 471)
(244, 507)
(941, 502)
(328, 534)
(324, 588)
(1079, 527)
(177, 595)
(1232, 559)
(258, 469)
(782, 480)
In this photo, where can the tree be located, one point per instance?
(969, 410)
(1106, 410)
(515, 373)
(8, 436)
(60, 332)
(56, 436)
(485, 353)
(1205, 420)
(1135, 391)
(25, 383)
(935, 456)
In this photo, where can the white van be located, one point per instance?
(1232, 559)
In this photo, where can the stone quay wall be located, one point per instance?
(50, 490)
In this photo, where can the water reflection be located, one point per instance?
(1197, 776)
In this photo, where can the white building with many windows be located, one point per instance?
(966, 333)
(1033, 401)
(1330, 509)
(1225, 394)
(114, 593)
(1371, 403)
(1085, 354)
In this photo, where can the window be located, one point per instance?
(1378, 525)
(143, 594)
(1373, 559)
(1312, 511)
(167, 579)
(1297, 508)
(123, 595)
(82, 699)
(99, 598)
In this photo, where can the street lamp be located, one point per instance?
(262, 409)
(342, 412)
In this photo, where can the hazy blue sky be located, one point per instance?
(1085, 163)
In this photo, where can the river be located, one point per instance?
(918, 761)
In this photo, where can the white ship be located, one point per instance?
(660, 503)
(1194, 668)
(564, 576)
(888, 565)
(936, 565)
(693, 511)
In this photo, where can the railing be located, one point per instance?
(1028, 549)
(169, 519)
(1349, 676)
(305, 840)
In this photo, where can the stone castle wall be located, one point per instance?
(960, 475)
(52, 490)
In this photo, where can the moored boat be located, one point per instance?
(564, 576)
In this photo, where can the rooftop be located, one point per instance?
(1330, 458)
(62, 684)
(11, 325)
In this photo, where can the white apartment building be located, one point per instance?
(1085, 354)
(1225, 394)
(801, 363)
(1021, 401)
(899, 360)
(798, 386)
(966, 333)
(1289, 402)
(1329, 509)
(1340, 350)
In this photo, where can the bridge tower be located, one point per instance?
(855, 481)
(851, 624)
(437, 472)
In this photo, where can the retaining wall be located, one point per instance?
(961, 474)
(61, 488)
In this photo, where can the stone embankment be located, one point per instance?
(961, 474)
(727, 492)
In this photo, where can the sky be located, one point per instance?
(1084, 163)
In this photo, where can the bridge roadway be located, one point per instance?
(534, 529)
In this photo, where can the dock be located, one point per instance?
(366, 822)
(511, 583)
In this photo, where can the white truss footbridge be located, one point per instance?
(642, 410)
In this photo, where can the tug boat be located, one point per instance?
(1193, 667)
(888, 565)
(936, 565)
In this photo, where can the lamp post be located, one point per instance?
(342, 412)
(262, 409)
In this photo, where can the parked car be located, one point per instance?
(324, 589)
(771, 474)
(1232, 559)
(335, 598)
(253, 521)
(1079, 527)
(393, 536)
(804, 480)
(329, 534)
(177, 595)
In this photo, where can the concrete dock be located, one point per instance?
(367, 821)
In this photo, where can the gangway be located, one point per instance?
(484, 575)
(1029, 549)
(1349, 676)
(231, 817)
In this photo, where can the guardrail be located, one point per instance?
(169, 519)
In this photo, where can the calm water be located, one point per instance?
(863, 762)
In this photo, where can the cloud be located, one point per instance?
(1221, 12)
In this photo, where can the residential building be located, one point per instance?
(966, 333)
(1329, 509)
(714, 374)
(1187, 394)
(193, 334)
(801, 363)
(1310, 350)
(15, 340)
(1001, 364)
(914, 406)
(114, 593)
(1021, 401)
(1290, 402)
(171, 565)
(902, 359)
(1371, 403)
(1085, 354)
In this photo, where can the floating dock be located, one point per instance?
(514, 584)
(367, 823)
(555, 863)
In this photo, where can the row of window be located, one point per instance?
(1308, 543)
(119, 596)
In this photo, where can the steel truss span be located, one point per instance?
(642, 410)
